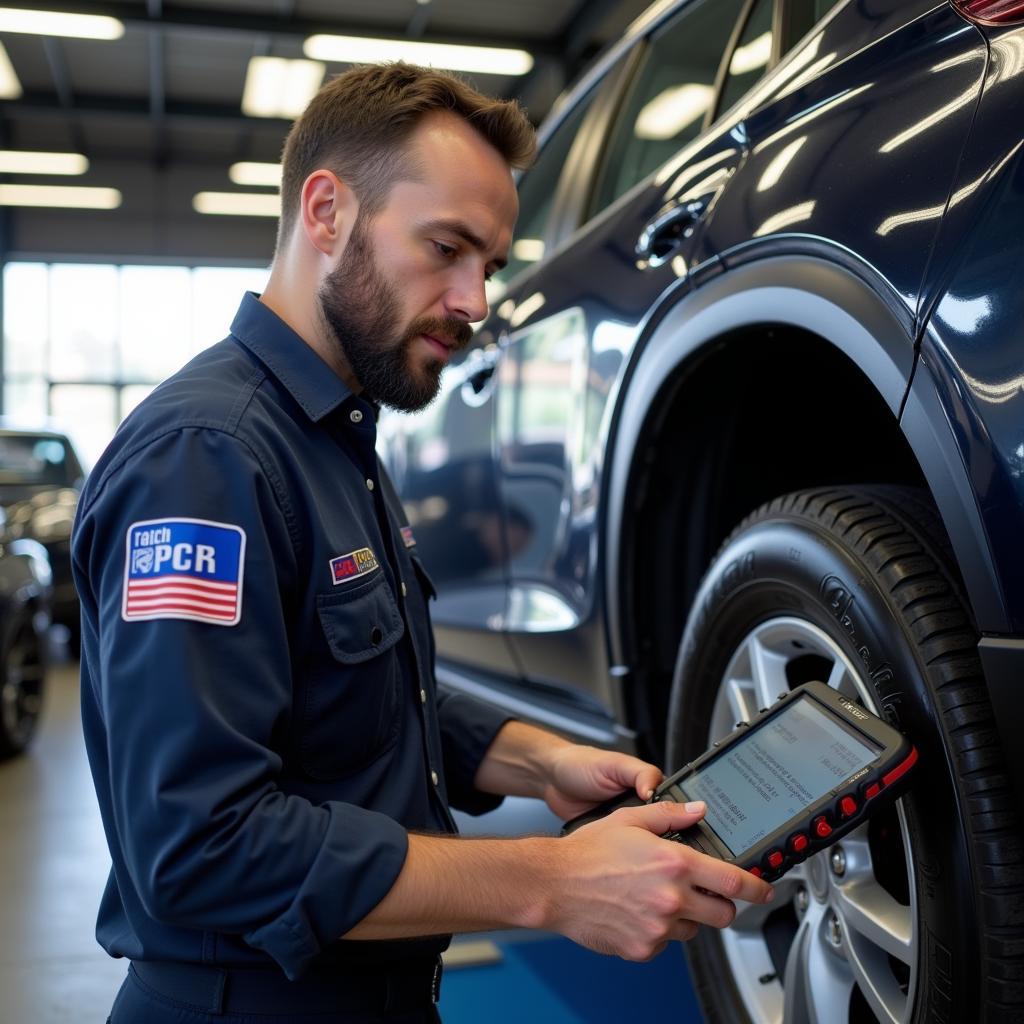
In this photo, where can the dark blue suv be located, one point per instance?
(749, 411)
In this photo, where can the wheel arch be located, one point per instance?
(789, 326)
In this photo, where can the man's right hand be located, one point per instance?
(619, 888)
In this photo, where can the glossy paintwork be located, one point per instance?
(847, 151)
(973, 350)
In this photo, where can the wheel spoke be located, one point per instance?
(838, 676)
(742, 699)
(828, 980)
(866, 909)
(796, 1004)
(873, 976)
(768, 669)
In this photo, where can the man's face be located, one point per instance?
(411, 278)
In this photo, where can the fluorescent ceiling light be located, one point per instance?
(10, 87)
(247, 173)
(55, 23)
(488, 60)
(237, 204)
(16, 161)
(528, 250)
(754, 55)
(276, 87)
(671, 111)
(64, 196)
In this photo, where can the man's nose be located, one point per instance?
(468, 300)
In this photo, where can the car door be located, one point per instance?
(572, 319)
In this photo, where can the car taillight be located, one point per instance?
(992, 12)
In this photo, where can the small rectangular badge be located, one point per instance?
(355, 563)
(407, 538)
(184, 569)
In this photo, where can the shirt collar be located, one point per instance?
(306, 377)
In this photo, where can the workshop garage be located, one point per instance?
(430, 417)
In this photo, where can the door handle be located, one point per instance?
(667, 232)
(479, 382)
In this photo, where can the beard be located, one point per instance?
(362, 312)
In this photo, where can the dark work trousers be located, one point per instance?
(138, 1003)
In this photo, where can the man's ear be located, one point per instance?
(327, 212)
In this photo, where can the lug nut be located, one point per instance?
(803, 900)
(838, 862)
(834, 931)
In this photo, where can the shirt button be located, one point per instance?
(404, 590)
(369, 484)
(423, 696)
(433, 778)
(355, 416)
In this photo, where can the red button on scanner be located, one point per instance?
(799, 843)
(822, 829)
(847, 807)
(775, 859)
(756, 871)
(872, 791)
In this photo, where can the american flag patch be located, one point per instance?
(183, 569)
(355, 563)
(407, 538)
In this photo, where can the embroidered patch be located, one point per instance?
(407, 537)
(183, 569)
(355, 563)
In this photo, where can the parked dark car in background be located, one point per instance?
(41, 478)
(749, 410)
(25, 594)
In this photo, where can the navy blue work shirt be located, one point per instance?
(258, 693)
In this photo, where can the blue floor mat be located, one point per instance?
(554, 981)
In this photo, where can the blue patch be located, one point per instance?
(183, 569)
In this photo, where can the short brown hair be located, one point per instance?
(358, 123)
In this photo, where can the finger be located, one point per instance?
(647, 780)
(728, 880)
(707, 908)
(631, 773)
(664, 816)
(683, 931)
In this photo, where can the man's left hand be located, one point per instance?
(580, 777)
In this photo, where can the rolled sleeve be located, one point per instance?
(468, 728)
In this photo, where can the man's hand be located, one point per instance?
(579, 777)
(526, 761)
(628, 892)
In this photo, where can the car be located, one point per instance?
(747, 411)
(41, 478)
(25, 595)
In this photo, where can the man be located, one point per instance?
(273, 764)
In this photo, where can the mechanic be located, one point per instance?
(273, 763)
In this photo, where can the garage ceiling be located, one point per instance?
(158, 111)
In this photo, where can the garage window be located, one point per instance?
(85, 343)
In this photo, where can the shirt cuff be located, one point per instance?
(468, 728)
(361, 857)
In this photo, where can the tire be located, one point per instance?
(919, 917)
(22, 682)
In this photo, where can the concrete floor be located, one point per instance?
(53, 865)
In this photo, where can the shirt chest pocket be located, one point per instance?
(350, 714)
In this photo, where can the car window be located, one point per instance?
(537, 192)
(672, 92)
(753, 53)
(801, 17)
(33, 460)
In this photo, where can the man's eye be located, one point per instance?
(447, 251)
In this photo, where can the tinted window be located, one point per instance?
(752, 55)
(34, 460)
(673, 91)
(537, 193)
